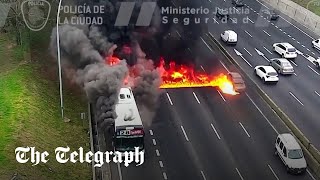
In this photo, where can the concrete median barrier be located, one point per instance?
(298, 13)
(312, 155)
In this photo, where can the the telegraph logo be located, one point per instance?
(35, 13)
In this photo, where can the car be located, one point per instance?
(286, 50)
(271, 14)
(237, 81)
(222, 13)
(316, 44)
(238, 3)
(290, 153)
(315, 61)
(267, 74)
(282, 66)
(229, 37)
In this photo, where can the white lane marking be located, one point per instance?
(209, 0)
(284, 32)
(224, 66)
(295, 74)
(184, 133)
(215, 20)
(206, 44)
(204, 177)
(119, 171)
(293, 63)
(308, 49)
(157, 152)
(221, 96)
(165, 175)
(189, 50)
(161, 164)
(295, 98)
(253, 10)
(266, 33)
(263, 17)
(247, 51)
(273, 172)
(239, 174)
(272, 24)
(311, 175)
(250, 20)
(313, 53)
(202, 68)
(276, 26)
(236, 9)
(289, 36)
(178, 33)
(289, 22)
(173, 3)
(280, 30)
(317, 93)
(244, 129)
(154, 142)
(262, 114)
(151, 132)
(303, 45)
(248, 33)
(233, 21)
(298, 42)
(169, 99)
(195, 96)
(239, 54)
(215, 131)
(293, 39)
(267, 50)
(313, 70)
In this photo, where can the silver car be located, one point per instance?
(282, 66)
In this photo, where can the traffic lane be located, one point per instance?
(216, 159)
(250, 160)
(173, 149)
(150, 169)
(261, 133)
(292, 26)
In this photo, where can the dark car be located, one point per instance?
(271, 14)
(238, 3)
(237, 81)
(221, 13)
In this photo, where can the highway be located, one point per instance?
(202, 134)
(298, 95)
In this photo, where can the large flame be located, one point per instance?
(184, 76)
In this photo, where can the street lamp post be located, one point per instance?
(59, 61)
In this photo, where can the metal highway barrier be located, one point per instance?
(312, 155)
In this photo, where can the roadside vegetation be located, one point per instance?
(312, 5)
(30, 108)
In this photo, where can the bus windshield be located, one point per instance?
(128, 144)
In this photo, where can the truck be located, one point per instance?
(128, 128)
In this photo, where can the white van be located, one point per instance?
(290, 152)
(230, 37)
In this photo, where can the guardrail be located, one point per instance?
(312, 155)
(298, 13)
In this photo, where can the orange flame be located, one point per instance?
(184, 76)
(112, 60)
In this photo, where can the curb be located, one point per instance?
(312, 155)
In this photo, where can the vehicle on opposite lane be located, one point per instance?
(271, 14)
(267, 74)
(290, 152)
(230, 37)
(238, 3)
(316, 44)
(237, 81)
(282, 66)
(286, 50)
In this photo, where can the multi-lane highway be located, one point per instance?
(297, 95)
(202, 134)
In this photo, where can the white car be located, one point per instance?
(316, 44)
(290, 153)
(286, 50)
(229, 36)
(266, 73)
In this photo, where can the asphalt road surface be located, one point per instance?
(202, 134)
